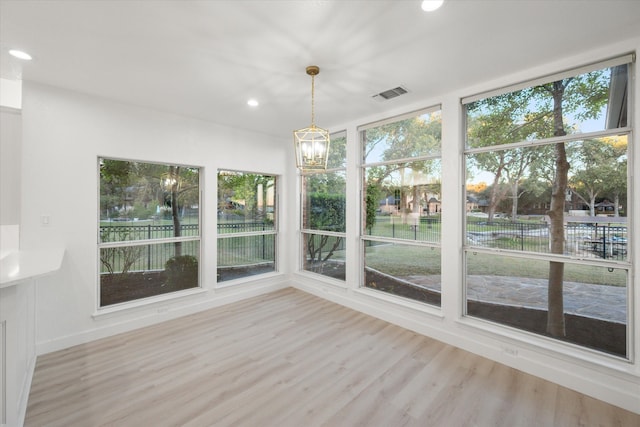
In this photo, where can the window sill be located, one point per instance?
(551, 347)
(325, 280)
(146, 302)
(246, 280)
(424, 308)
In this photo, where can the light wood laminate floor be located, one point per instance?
(292, 359)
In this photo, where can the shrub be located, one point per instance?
(182, 272)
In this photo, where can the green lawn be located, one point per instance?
(407, 260)
(403, 260)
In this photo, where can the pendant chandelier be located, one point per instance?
(312, 143)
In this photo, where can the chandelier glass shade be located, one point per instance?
(311, 143)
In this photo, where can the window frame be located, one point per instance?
(626, 265)
(273, 232)
(362, 168)
(146, 242)
(310, 231)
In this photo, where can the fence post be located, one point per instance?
(393, 226)
(149, 248)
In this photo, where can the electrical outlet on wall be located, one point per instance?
(511, 351)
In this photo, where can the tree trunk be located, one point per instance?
(514, 203)
(175, 213)
(555, 314)
(416, 200)
(493, 197)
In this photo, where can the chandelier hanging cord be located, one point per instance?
(313, 104)
(313, 71)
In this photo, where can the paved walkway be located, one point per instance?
(597, 301)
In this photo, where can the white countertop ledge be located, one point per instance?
(19, 266)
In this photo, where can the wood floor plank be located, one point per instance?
(291, 359)
(373, 405)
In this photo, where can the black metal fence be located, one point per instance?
(121, 233)
(607, 241)
(523, 236)
(245, 250)
(585, 240)
(151, 257)
(425, 229)
(232, 250)
(243, 227)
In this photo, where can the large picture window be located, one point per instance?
(323, 214)
(402, 206)
(149, 229)
(246, 224)
(547, 203)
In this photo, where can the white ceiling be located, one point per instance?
(204, 59)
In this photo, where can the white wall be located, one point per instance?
(64, 133)
(11, 93)
(604, 377)
(10, 136)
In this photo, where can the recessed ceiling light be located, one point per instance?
(431, 5)
(20, 54)
(253, 103)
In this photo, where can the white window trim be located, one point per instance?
(274, 232)
(140, 302)
(573, 349)
(399, 117)
(343, 234)
(607, 63)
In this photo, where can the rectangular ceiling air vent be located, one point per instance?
(391, 93)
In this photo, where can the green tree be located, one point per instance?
(371, 205)
(404, 140)
(247, 194)
(602, 171)
(535, 193)
(115, 178)
(516, 170)
(326, 212)
(502, 120)
(617, 186)
(126, 184)
(537, 113)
